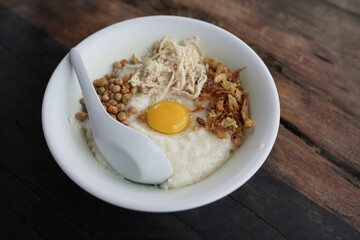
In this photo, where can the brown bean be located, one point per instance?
(121, 116)
(119, 81)
(124, 62)
(105, 98)
(116, 88)
(117, 65)
(82, 101)
(118, 96)
(134, 60)
(121, 107)
(126, 98)
(125, 90)
(108, 76)
(132, 110)
(100, 90)
(113, 110)
(103, 82)
(126, 78)
(113, 102)
(116, 74)
(81, 115)
(96, 83)
(142, 117)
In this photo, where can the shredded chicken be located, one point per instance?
(171, 68)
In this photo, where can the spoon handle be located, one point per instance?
(90, 96)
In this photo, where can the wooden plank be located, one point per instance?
(350, 7)
(43, 175)
(327, 126)
(313, 64)
(227, 219)
(23, 151)
(293, 162)
(270, 201)
(273, 200)
(324, 124)
(103, 220)
(13, 227)
(33, 186)
(34, 213)
(313, 58)
(67, 193)
(333, 131)
(303, 36)
(54, 192)
(70, 22)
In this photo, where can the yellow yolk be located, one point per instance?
(167, 117)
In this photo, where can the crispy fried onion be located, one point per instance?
(226, 102)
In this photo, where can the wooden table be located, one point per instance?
(307, 189)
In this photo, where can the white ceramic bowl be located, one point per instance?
(121, 40)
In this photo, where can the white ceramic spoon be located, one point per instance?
(132, 154)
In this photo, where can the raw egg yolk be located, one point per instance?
(167, 117)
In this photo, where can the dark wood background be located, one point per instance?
(307, 189)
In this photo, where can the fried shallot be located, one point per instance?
(226, 101)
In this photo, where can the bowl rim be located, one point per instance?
(229, 188)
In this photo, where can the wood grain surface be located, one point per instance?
(308, 188)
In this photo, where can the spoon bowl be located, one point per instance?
(130, 153)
